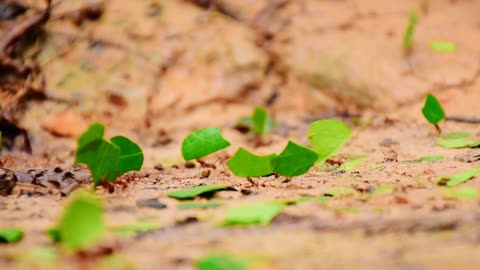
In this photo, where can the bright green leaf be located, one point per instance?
(408, 35)
(320, 199)
(339, 192)
(101, 157)
(443, 46)
(205, 205)
(294, 160)
(191, 193)
(457, 179)
(246, 164)
(130, 156)
(203, 142)
(467, 193)
(253, 214)
(457, 140)
(54, 234)
(327, 136)
(426, 158)
(220, 262)
(432, 110)
(115, 261)
(10, 235)
(82, 223)
(351, 162)
(94, 133)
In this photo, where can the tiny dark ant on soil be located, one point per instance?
(334, 162)
(204, 164)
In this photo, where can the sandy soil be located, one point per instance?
(168, 67)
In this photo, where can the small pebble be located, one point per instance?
(151, 203)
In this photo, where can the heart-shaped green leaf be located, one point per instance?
(246, 164)
(294, 160)
(327, 136)
(203, 142)
(130, 155)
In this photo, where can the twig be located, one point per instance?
(20, 29)
(461, 119)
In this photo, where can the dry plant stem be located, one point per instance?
(461, 119)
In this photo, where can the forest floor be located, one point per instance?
(156, 70)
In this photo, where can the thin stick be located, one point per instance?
(461, 119)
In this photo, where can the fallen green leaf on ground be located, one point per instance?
(352, 161)
(387, 189)
(426, 158)
(205, 205)
(294, 160)
(432, 110)
(320, 199)
(408, 35)
(467, 193)
(220, 262)
(339, 192)
(327, 137)
(10, 235)
(104, 159)
(191, 193)
(38, 257)
(246, 164)
(253, 214)
(457, 140)
(137, 227)
(443, 46)
(115, 261)
(203, 142)
(457, 179)
(82, 224)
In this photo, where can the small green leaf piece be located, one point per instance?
(132, 229)
(262, 122)
(205, 205)
(294, 160)
(82, 223)
(54, 234)
(457, 179)
(467, 193)
(192, 193)
(432, 110)
(443, 46)
(203, 142)
(387, 189)
(327, 136)
(351, 162)
(253, 214)
(130, 156)
(457, 140)
(10, 235)
(94, 133)
(408, 35)
(101, 157)
(220, 262)
(42, 257)
(246, 164)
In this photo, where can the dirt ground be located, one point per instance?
(156, 70)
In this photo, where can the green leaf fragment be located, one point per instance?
(457, 140)
(220, 262)
(352, 162)
(426, 158)
(203, 142)
(38, 257)
(443, 46)
(467, 193)
(82, 223)
(253, 214)
(94, 133)
(54, 234)
(246, 164)
(320, 199)
(10, 235)
(408, 35)
(294, 160)
(131, 229)
(130, 155)
(457, 179)
(192, 193)
(432, 110)
(327, 136)
(387, 189)
(262, 123)
(206, 205)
